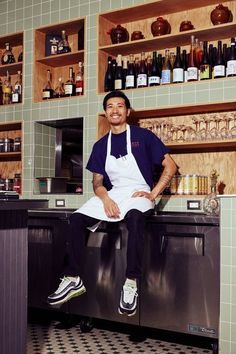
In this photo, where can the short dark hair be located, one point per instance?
(116, 93)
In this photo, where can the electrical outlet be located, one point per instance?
(60, 203)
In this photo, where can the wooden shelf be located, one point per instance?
(62, 59)
(170, 40)
(197, 146)
(10, 156)
(12, 68)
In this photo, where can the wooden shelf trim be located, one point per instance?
(204, 144)
(62, 59)
(12, 68)
(178, 39)
(10, 155)
(160, 8)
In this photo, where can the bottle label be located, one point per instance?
(178, 75)
(192, 73)
(46, 94)
(5, 58)
(154, 80)
(15, 97)
(129, 81)
(185, 76)
(68, 89)
(204, 71)
(118, 84)
(142, 80)
(165, 77)
(18, 88)
(79, 88)
(231, 67)
(219, 71)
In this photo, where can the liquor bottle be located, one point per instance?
(124, 71)
(109, 79)
(48, 91)
(231, 60)
(219, 66)
(154, 79)
(20, 57)
(59, 90)
(7, 89)
(70, 84)
(198, 48)
(205, 69)
(119, 73)
(166, 69)
(178, 70)
(142, 75)
(17, 89)
(192, 64)
(79, 80)
(185, 64)
(8, 57)
(130, 77)
(63, 45)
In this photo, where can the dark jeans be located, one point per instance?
(135, 222)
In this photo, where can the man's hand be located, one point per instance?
(147, 195)
(111, 208)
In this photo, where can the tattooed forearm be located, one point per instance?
(97, 181)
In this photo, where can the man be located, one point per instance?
(122, 163)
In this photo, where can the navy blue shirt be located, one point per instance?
(147, 148)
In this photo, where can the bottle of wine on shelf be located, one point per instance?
(185, 64)
(166, 69)
(178, 70)
(149, 66)
(231, 60)
(17, 89)
(7, 89)
(79, 80)
(130, 77)
(59, 90)
(219, 65)
(154, 78)
(205, 69)
(192, 63)
(63, 45)
(142, 75)
(70, 84)
(109, 78)
(119, 73)
(48, 91)
(124, 71)
(211, 60)
(7, 57)
(136, 68)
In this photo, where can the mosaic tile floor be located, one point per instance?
(52, 338)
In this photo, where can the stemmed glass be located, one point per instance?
(196, 121)
(233, 129)
(225, 131)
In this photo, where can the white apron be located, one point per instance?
(126, 179)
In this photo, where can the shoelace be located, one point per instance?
(64, 282)
(129, 294)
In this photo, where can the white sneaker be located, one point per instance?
(128, 300)
(67, 289)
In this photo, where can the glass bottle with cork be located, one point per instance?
(79, 80)
(48, 91)
(63, 45)
(7, 56)
(17, 89)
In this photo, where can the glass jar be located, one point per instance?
(8, 184)
(17, 144)
(17, 183)
(2, 149)
(8, 145)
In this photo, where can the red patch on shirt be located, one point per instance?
(135, 144)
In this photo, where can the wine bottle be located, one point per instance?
(119, 73)
(211, 60)
(47, 90)
(231, 60)
(149, 66)
(124, 71)
(130, 77)
(70, 84)
(79, 80)
(178, 70)
(154, 78)
(109, 79)
(7, 89)
(205, 63)
(185, 64)
(192, 64)
(219, 65)
(7, 57)
(17, 89)
(59, 90)
(136, 68)
(166, 69)
(142, 75)
(63, 45)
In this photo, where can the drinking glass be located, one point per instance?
(233, 129)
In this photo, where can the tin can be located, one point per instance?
(173, 188)
(180, 184)
(195, 184)
(201, 185)
(205, 185)
(188, 184)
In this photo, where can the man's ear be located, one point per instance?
(128, 112)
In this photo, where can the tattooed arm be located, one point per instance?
(110, 207)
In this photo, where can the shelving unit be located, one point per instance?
(57, 64)
(16, 41)
(141, 17)
(10, 162)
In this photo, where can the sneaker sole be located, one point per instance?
(129, 314)
(70, 295)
